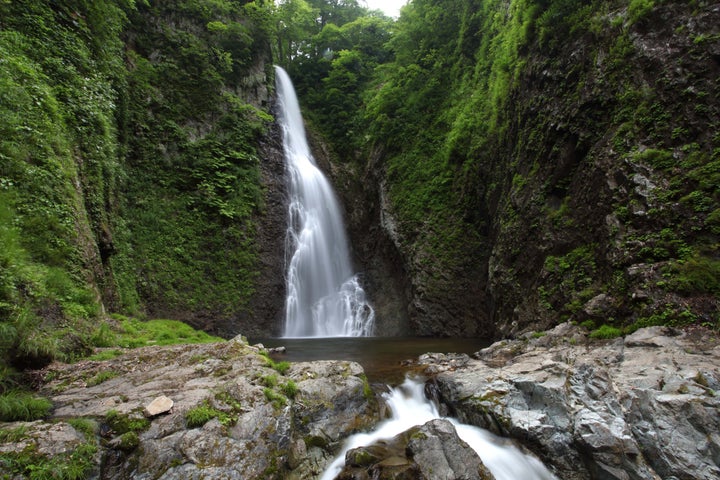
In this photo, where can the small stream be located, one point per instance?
(383, 359)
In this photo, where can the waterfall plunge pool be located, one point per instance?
(381, 357)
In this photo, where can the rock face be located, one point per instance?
(643, 407)
(432, 451)
(236, 414)
(375, 253)
(267, 302)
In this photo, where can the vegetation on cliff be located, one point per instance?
(536, 160)
(129, 176)
(546, 160)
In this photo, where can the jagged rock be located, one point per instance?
(640, 408)
(263, 424)
(160, 405)
(431, 451)
(43, 438)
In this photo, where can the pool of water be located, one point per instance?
(382, 358)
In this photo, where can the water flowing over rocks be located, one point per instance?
(430, 451)
(642, 407)
(265, 422)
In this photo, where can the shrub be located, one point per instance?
(203, 413)
(606, 332)
(23, 406)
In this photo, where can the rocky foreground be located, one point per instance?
(226, 411)
(642, 407)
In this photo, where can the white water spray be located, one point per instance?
(410, 407)
(324, 296)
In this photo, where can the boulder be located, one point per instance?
(432, 451)
(643, 407)
(160, 405)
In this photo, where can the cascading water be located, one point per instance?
(324, 296)
(410, 407)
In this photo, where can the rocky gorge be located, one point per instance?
(642, 407)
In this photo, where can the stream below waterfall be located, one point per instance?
(383, 359)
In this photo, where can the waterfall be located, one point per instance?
(324, 296)
(409, 407)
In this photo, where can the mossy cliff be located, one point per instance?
(508, 164)
(130, 174)
(542, 161)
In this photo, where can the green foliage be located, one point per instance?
(87, 426)
(101, 377)
(13, 435)
(661, 159)
(75, 465)
(637, 9)
(129, 441)
(190, 215)
(289, 389)
(281, 367)
(203, 413)
(134, 333)
(105, 355)
(698, 274)
(22, 406)
(269, 380)
(121, 423)
(606, 332)
(276, 398)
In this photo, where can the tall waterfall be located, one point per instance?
(324, 296)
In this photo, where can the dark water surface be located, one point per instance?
(381, 357)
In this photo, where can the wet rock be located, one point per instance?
(643, 407)
(430, 451)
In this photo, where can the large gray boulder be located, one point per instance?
(643, 407)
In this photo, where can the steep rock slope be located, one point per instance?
(138, 171)
(552, 160)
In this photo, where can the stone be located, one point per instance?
(430, 451)
(255, 430)
(160, 405)
(643, 407)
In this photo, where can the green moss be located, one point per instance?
(101, 377)
(200, 415)
(696, 275)
(76, 465)
(289, 389)
(13, 435)
(637, 9)
(606, 332)
(129, 441)
(276, 398)
(121, 423)
(87, 426)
